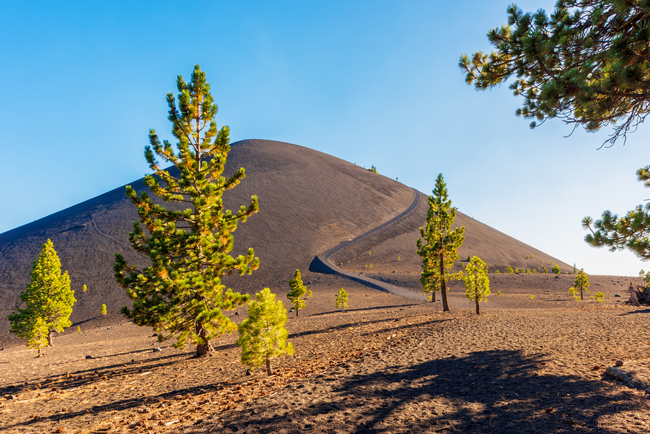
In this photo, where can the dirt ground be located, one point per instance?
(385, 365)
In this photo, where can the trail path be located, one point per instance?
(323, 264)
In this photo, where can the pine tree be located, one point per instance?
(49, 301)
(85, 288)
(181, 292)
(509, 270)
(439, 244)
(581, 284)
(477, 283)
(103, 310)
(556, 269)
(297, 291)
(263, 336)
(342, 300)
(586, 63)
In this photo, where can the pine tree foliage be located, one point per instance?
(341, 301)
(263, 336)
(298, 290)
(49, 301)
(477, 282)
(581, 284)
(103, 310)
(587, 63)
(556, 269)
(181, 292)
(439, 244)
(631, 231)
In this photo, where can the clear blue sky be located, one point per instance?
(371, 82)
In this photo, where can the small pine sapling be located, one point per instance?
(556, 269)
(103, 310)
(516, 270)
(509, 270)
(342, 300)
(497, 272)
(78, 329)
(476, 281)
(574, 268)
(545, 270)
(532, 256)
(498, 292)
(263, 336)
(297, 291)
(85, 288)
(581, 284)
(532, 297)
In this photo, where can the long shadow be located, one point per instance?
(635, 312)
(89, 376)
(119, 405)
(490, 391)
(361, 309)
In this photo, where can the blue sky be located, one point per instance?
(371, 82)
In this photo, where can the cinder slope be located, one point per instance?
(309, 203)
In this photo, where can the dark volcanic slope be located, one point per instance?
(309, 203)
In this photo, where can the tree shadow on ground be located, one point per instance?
(493, 391)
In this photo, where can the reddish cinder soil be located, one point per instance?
(385, 365)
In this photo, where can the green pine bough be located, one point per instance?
(477, 282)
(298, 290)
(262, 335)
(48, 300)
(181, 294)
(631, 231)
(439, 244)
(585, 64)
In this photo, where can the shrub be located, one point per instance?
(556, 269)
(599, 297)
(497, 272)
(373, 169)
(509, 270)
(103, 310)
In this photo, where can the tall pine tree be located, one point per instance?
(181, 293)
(477, 282)
(439, 244)
(49, 301)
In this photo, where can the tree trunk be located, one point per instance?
(433, 299)
(203, 349)
(269, 371)
(443, 284)
(297, 310)
(581, 294)
(476, 299)
(39, 352)
(50, 338)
